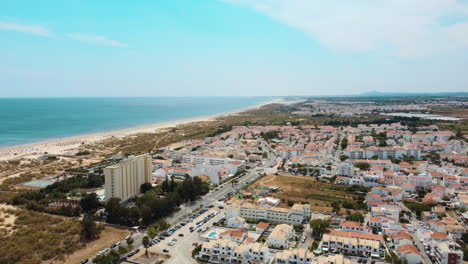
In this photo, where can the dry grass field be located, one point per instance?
(108, 236)
(307, 189)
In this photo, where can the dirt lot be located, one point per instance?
(108, 236)
(450, 111)
(307, 189)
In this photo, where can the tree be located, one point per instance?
(146, 242)
(152, 232)
(162, 225)
(464, 238)
(433, 157)
(114, 211)
(362, 165)
(343, 157)
(90, 203)
(335, 206)
(146, 215)
(344, 143)
(383, 143)
(130, 240)
(319, 226)
(89, 228)
(165, 185)
(356, 217)
(145, 187)
(348, 205)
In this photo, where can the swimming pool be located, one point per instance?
(212, 234)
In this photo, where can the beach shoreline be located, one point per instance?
(61, 145)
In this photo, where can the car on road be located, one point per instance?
(116, 244)
(172, 243)
(166, 250)
(181, 235)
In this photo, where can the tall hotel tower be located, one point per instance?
(123, 180)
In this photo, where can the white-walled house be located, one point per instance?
(280, 236)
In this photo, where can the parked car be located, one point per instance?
(166, 250)
(84, 261)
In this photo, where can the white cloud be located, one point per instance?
(400, 27)
(23, 28)
(96, 39)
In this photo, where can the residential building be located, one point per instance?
(280, 236)
(297, 214)
(123, 180)
(447, 253)
(410, 253)
(333, 259)
(348, 245)
(296, 256)
(227, 251)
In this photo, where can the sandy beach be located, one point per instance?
(70, 144)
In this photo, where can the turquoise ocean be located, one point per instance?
(29, 120)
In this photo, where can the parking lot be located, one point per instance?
(178, 242)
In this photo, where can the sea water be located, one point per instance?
(29, 120)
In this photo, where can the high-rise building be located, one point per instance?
(123, 180)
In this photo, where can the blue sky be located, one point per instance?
(231, 47)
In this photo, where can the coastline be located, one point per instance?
(66, 144)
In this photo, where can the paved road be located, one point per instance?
(308, 234)
(419, 245)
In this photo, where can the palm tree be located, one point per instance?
(146, 242)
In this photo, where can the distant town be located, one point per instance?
(363, 180)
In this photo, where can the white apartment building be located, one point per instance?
(280, 236)
(392, 211)
(123, 180)
(297, 214)
(347, 169)
(297, 256)
(351, 245)
(210, 160)
(421, 181)
(227, 251)
(446, 252)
